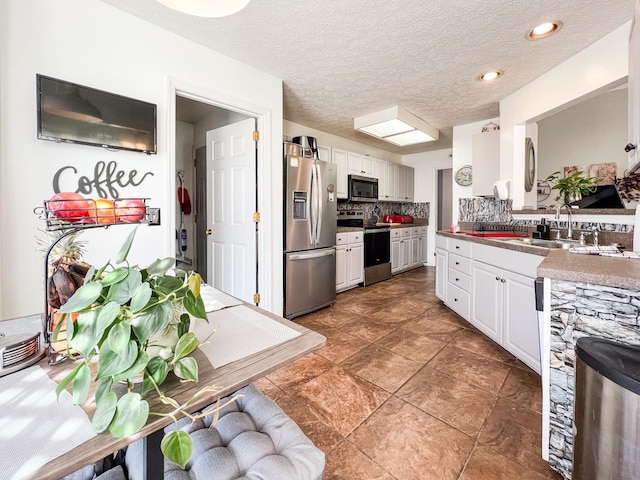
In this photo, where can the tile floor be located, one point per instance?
(405, 389)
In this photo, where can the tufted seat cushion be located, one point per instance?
(253, 439)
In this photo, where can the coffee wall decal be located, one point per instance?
(105, 181)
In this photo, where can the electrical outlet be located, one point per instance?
(154, 216)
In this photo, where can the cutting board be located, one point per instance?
(383, 224)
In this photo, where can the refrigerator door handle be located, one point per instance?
(308, 256)
(312, 193)
(319, 200)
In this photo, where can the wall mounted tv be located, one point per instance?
(71, 113)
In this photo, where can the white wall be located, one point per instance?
(291, 130)
(591, 132)
(426, 167)
(599, 67)
(185, 154)
(94, 44)
(463, 155)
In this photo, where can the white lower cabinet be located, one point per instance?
(493, 289)
(349, 260)
(408, 248)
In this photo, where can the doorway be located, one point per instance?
(194, 119)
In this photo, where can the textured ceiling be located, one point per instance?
(340, 59)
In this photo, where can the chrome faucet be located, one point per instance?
(569, 220)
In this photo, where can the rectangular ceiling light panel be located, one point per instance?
(396, 126)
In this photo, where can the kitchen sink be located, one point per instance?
(538, 242)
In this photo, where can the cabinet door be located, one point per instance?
(381, 174)
(409, 178)
(521, 336)
(486, 299)
(405, 253)
(415, 251)
(367, 164)
(324, 153)
(441, 274)
(486, 162)
(400, 183)
(356, 264)
(634, 91)
(341, 268)
(391, 181)
(395, 255)
(423, 249)
(339, 157)
(354, 163)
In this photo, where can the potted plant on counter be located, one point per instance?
(571, 187)
(135, 322)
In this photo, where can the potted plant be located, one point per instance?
(135, 322)
(572, 187)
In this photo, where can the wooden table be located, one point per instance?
(227, 379)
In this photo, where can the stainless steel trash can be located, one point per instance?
(607, 411)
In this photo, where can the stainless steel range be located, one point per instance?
(377, 245)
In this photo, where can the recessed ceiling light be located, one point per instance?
(543, 30)
(490, 75)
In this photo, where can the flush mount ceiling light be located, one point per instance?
(396, 126)
(543, 30)
(206, 8)
(490, 75)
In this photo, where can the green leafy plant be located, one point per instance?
(572, 187)
(135, 321)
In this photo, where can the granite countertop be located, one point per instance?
(562, 265)
(417, 222)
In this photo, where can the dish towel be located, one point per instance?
(594, 250)
(35, 426)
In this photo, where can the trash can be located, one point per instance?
(607, 411)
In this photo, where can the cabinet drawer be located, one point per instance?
(458, 300)
(460, 247)
(406, 231)
(354, 237)
(423, 230)
(396, 232)
(460, 279)
(342, 238)
(441, 242)
(415, 231)
(459, 263)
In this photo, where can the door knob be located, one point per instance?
(207, 231)
(629, 147)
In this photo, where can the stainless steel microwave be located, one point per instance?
(363, 189)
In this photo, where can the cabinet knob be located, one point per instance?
(503, 280)
(497, 278)
(458, 263)
(457, 279)
(455, 299)
(457, 247)
(629, 146)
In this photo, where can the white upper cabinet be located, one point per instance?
(634, 93)
(404, 183)
(486, 162)
(358, 164)
(324, 153)
(339, 157)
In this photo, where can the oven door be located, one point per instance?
(377, 246)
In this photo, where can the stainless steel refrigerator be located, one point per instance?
(310, 235)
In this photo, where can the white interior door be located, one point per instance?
(231, 203)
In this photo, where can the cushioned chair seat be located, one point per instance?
(252, 440)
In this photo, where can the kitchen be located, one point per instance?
(13, 223)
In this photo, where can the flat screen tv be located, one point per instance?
(605, 196)
(72, 113)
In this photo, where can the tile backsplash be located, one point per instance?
(416, 210)
(484, 210)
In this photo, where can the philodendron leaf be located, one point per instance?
(136, 369)
(195, 280)
(186, 344)
(106, 316)
(82, 298)
(122, 291)
(103, 388)
(158, 369)
(141, 297)
(81, 384)
(185, 323)
(85, 337)
(170, 284)
(115, 276)
(152, 321)
(194, 305)
(160, 267)
(131, 415)
(119, 337)
(177, 447)
(126, 246)
(187, 369)
(110, 363)
(105, 410)
(67, 380)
